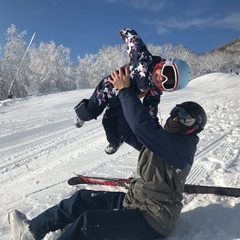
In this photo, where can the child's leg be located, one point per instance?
(109, 122)
(103, 95)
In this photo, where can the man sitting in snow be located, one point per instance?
(153, 202)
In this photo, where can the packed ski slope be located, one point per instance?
(40, 149)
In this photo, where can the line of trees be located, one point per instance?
(48, 68)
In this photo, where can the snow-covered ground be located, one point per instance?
(40, 149)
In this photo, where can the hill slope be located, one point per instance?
(40, 150)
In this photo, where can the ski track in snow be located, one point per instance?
(40, 149)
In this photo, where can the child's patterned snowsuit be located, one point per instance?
(105, 95)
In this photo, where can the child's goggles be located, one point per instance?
(170, 72)
(183, 116)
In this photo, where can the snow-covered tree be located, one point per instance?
(50, 69)
(47, 68)
(13, 54)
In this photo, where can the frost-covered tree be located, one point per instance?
(13, 54)
(94, 67)
(108, 59)
(48, 68)
(3, 83)
(84, 71)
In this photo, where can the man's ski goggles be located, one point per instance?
(183, 116)
(170, 72)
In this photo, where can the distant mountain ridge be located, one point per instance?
(233, 46)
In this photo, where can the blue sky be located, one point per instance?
(85, 26)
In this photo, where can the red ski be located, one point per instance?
(124, 182)
(114, 182)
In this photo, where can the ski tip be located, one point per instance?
(74, 181)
